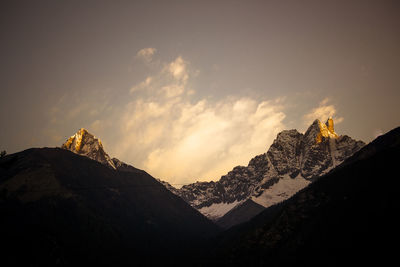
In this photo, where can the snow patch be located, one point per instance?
(282, 190)
(217, 210)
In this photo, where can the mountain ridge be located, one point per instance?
(292, 161)
(347, 217)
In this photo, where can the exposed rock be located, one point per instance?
(266, 179)
(292, 155)
(347, 217)
(86, 144)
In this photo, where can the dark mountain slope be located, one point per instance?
(347, 217)
(240, 214)
(59, 207)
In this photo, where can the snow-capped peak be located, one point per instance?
(86, 144)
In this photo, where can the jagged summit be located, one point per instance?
(320, 130)
(327, 130)
(86, 144)
(293, 161)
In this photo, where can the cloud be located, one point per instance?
(185, 141)
(178, 138)
(324, 111)
(143, 85)
(170, 81)
(177, 69)
(165, 128)
(146, 54)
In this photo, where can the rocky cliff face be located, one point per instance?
(291, 163)
(351, 211)
(86, 144)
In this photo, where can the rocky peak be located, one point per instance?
(326, 130)
(86, 144)
(293, 161)
(329, 124)
(287, 135)
(319, 131)
(284, 152)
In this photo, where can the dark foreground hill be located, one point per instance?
(347, 217)
(240, 214)
(61, 208)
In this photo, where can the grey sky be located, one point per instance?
(72, 64)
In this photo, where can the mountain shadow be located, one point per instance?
(240, 214)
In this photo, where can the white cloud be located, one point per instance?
(146, 54)
(179, 139)
(184, 142)
(164, 128)
(324, 111)
(178, 70)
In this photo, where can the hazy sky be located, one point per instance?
(189, 89)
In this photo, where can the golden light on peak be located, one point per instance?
(326, 130)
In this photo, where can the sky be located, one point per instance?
(186, 90)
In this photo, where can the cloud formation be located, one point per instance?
(178, 69)
(324, 111)
(163, 127)
(146, 54)
(175, 137)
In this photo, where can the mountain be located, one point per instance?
(59, 207)
(291, 163)
(347, 217)
(240, 214)
(85, 144)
